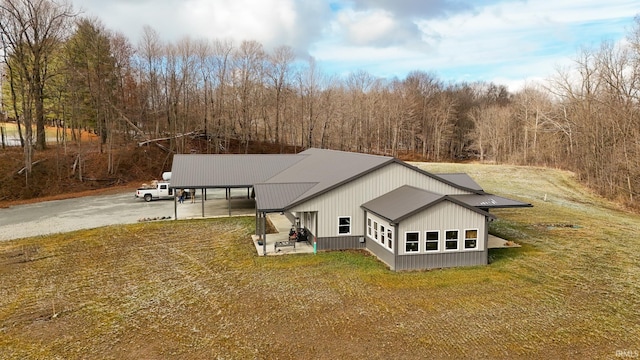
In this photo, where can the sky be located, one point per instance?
(508, 42)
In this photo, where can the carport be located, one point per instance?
(225, 171)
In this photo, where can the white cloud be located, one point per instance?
(271, 22)
(503, 40)
(376, 28)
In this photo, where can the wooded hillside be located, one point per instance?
(78, 74)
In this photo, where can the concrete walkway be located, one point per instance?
(500, 243)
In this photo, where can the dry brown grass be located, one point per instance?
(197, 290)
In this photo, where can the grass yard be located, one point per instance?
(196, 290)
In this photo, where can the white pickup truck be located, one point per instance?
(156, 190)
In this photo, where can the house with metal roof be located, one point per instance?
(409, 218)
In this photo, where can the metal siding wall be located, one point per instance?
(340, 243)
(346, 200)
(383, 254)
(441, 260)
(444, 216)
(370, 240)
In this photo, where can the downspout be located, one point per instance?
(396, 244)
(315, 236)
(486, 238)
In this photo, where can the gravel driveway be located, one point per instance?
(58, 216)
(87, 212)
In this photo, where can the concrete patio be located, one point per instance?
(216, 205)
(283, 225)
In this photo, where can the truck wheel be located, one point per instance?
(147, 197)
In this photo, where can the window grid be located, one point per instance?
(471, 239)
(344, 225)
(412, 241)
(432, 240)
(451, 240)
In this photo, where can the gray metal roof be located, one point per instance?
(489, 201)
(211, 171)
(406, 201)
(285, 180)
(402, 202)
(461, 179)
(276, 197)
(328, 169)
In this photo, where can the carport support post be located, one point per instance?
(229, 201)
(175, 208)
(202, 200)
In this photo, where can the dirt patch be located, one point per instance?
(56, 173)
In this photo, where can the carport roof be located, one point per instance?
(227, 170)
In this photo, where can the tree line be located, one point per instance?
(70, 70)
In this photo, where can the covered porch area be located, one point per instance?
(283, 225)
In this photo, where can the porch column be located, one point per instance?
(257, 221)
(264, 233)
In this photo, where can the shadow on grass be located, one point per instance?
(503, 255)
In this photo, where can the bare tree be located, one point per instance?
(150, 68)
(279, 73)
(248, 80)
(309, 81)
(32, 30)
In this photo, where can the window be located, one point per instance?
(375, 230)
(451, 240)
(470, 239)
(382, 234)
(431, 241)
(344, 225)
(389, 238)
(411, 241)
(369, 226)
